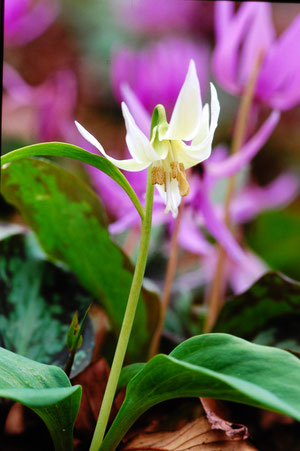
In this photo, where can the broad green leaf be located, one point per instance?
(216, 366)
(274, 235)
(68, 219)
(261, 313)
(44, 389)
(128, 372)
(37, 302)
(57, 149)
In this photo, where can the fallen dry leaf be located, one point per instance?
(196, 436)
(219, 418)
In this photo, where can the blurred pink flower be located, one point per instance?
(157, 72)
(240, 37)
(144, 16)
(25, 20)
(242, 266)
(52, 103)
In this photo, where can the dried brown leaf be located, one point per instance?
(196, 436)
(219, 418)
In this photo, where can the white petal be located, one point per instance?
(190, 159)
(200, 139)
(186, 115)
(203, 130)
(200, 149)
(139, 146)
(127, 165)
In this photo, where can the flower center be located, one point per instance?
(161, 174)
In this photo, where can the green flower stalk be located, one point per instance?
(167, 156)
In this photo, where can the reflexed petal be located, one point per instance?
(203, 130)
(255, 199)
(141, 115)
(127, 165)
(186, 115)
(139, 146)
(190, 236)
(218, 229)
(234, 163)
(201, 142)
(215, 112)
(200, 149)
(190, 159)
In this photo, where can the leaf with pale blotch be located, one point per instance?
(37, 302)
(68, 219)
(57, 149)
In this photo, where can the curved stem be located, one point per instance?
(127, 321)
(171, 270)
(216, 292)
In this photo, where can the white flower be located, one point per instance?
(166, 151)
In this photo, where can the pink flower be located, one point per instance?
(144, 16)
(52, 103)
(157, 72)
(25, 20)
(240, 37)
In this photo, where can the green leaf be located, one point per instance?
(44, 389)
(68, 219)
(128, 372)
(216, 366)
(57, 149)
(274, 236)
(262, 312)
(37, 301)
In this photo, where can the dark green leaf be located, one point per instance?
(263, 311)
(128, 372)
(37, 301)
(57, 149)
(44, 389)
(215, 366)
(68, 219)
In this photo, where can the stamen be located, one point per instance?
(157, 175)
(174, 169)
(183, 184)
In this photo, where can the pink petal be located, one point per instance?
(236, 162)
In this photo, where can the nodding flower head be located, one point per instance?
(173, 147)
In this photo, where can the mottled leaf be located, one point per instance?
(68, 219)
(57, 149)
(37, 302)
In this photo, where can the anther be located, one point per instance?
(183, 185)
(157, 175)
(174, 169)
